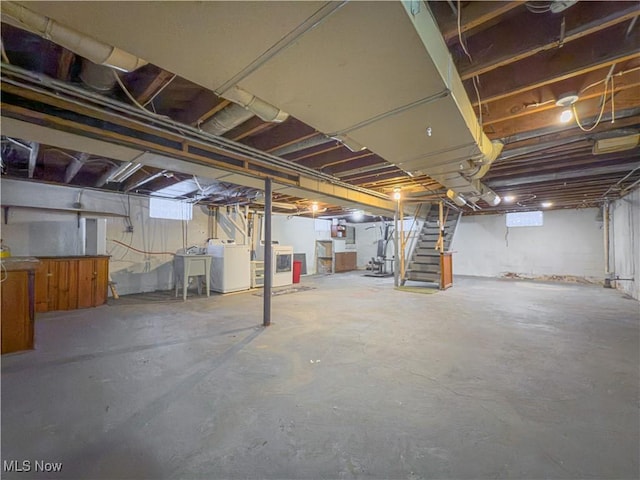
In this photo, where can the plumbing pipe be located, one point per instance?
(79, 43)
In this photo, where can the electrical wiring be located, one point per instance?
(5, 59)
(4, 272)
(475, 79)
(159, 91)
(597, 121)
(144, 252)
(462, 44)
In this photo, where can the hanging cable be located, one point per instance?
(5, 59)
(159, 91)
(613, 106)
(603, 102)
(462, 44)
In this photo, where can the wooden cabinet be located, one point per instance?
(345, 261)
(446, 270)
(18, 303)
(329, 258)
(67, 283)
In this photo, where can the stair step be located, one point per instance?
(427, 250)
(423, 277)
(424, 267)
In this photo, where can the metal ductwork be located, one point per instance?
(79, 43)
(463, 177)
(315, 141)
(97, 77)
(226, 119)
(244, 106)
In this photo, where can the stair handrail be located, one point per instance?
(412, 238)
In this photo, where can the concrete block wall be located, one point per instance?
(625, 242)
(570, 243)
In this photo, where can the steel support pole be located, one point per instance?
(396, 273)
(268, 261)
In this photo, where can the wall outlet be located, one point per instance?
(129, 229)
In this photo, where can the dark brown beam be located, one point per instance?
(536, 101)
(579, 57)
(64, 64)
(513, 41)
(588, 109)
(203, 106)
(154, 85)
(472, 17)
(251, 127)
(290, 131)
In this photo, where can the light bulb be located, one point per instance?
(566, 116)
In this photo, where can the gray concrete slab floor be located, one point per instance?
(489, 379)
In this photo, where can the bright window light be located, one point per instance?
(524, 219)
(170, 209)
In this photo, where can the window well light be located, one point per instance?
(546, 204)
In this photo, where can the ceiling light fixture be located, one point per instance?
(508, 198)
(397, 194)
(566, 116)
(314, 207)
(546, 204)
(357, 215)
(567, 99)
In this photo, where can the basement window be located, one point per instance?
(170, 209)
(524, 219)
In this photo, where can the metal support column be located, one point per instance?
(396, 273)
(268, 262)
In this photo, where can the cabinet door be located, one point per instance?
(64, 284)
(101, 281)
(15, 320)
(42, 286)
(86, 282)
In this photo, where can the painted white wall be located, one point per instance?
(141, 261)
(625, 242)
(569, 243)
(301, 233)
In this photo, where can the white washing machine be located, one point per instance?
(230, 266)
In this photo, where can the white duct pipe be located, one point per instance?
(456, 198)
(97, 77)
(245, 105)
(79, 43)
(258, 107)
(226, 119)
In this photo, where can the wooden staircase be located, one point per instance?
(424, 262)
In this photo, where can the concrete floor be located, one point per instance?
(489, 379)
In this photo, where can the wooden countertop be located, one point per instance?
(70, 257)
(16, 264)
